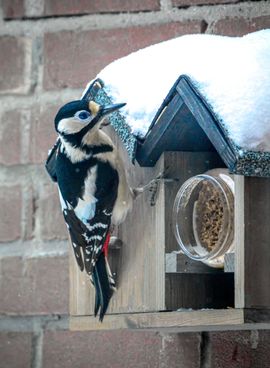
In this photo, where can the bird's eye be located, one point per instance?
(83, 115)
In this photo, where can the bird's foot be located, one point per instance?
(115, 242)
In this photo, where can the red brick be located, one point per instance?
(42, 132)
(10, 138)
(180, 3)
(125, 349)
(15, 61)
(260, 344)
(180, 351)
(15, 349)
(240, 26)
(13, 9)
(71, 59)
(49, 214)
(10, 214)
(231, 349)
(239, 349)
(101, 6)
(34, 286)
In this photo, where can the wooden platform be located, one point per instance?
(158, 320)
(184, 321)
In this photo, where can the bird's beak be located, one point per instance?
(105, 110)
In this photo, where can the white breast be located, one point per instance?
(86, 207)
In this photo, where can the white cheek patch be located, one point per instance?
(70, 125)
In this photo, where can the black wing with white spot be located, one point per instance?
(88, 235)
(88, 218)
(87, 240)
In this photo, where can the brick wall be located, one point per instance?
(48, 51)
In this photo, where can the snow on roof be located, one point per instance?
(232, 73)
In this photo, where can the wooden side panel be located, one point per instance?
(81, 300)
(239, 218)
(142, 281)
(252, 242)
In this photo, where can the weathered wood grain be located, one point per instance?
(202, 319)
(185, 123)
(207, 121)
(252, 214)
(180, 263)
(175, 130)
(252, 315)
(229, 262)
(197, 291)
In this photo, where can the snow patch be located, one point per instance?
(232, 73)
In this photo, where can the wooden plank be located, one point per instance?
(256, 315)
(229, 260)
(206, 121)
(201, 319)
(257, 242)
(239, 218)
(252, 209)
(142, 285)
(180, 263)
(80, 290)
(196, 291)
(175, 130)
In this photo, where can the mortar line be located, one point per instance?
(166, 5)
(204, 350)
(33, 323)
(37, 349)
(34, 249)
(87, 22)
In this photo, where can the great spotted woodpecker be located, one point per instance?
(93, 189)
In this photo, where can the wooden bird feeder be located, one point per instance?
(158, 288)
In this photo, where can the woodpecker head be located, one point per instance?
(75, 119)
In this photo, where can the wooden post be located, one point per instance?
(252, 232)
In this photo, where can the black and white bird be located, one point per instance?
(93, 189)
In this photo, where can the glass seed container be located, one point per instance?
(203, 217)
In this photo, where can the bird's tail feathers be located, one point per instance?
(110, 276)
(104, 285)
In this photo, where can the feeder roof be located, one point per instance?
(198, 93)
